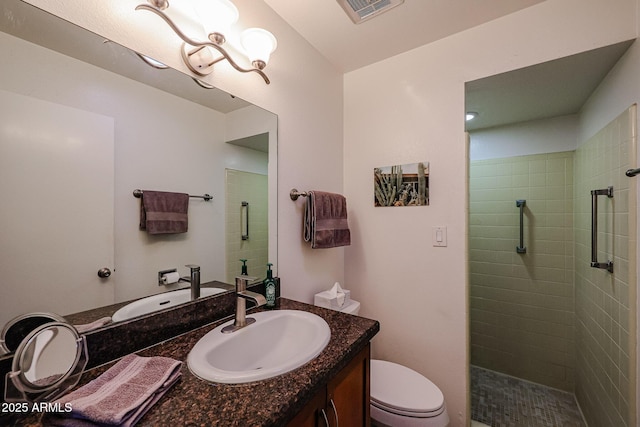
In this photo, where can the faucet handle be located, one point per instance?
(242, 282)
(246, 279)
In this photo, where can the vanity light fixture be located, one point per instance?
(216, 17)
(152, 62)
(470, 115)
(202, 84)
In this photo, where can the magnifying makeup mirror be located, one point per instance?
(19, 327)
(48, 362)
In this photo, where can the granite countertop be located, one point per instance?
(272, 402)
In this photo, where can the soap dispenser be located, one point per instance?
(270, 288)
(244, 267)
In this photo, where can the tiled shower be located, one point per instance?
(546, 316)
(251, 189)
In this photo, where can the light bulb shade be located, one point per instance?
(258, 44)
(217, 16)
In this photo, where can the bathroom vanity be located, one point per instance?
(335, 382)
(345, 398)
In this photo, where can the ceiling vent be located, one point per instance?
(362, 10)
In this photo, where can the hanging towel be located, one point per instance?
(325, 220)
(121, 395)
(163, 212)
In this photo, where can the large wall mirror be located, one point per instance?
(83, 123)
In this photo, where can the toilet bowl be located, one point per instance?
(401, 397)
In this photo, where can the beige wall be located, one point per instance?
(522, 305)
(605, 302)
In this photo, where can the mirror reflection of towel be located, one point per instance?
(163, 212)
(325, 220)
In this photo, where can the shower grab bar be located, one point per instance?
(245, 219)
(594, 228)
(522, 249)
(632, 172)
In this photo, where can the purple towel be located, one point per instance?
(325, 220)
(163, 212)
(123, 394)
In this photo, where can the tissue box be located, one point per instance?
(328, 299)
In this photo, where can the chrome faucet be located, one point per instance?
(194, 280)
(242, 295)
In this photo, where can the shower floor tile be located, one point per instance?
(502, 401)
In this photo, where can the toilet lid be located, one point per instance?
(403, 390)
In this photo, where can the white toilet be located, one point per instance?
(401, 397)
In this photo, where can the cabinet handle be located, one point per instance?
(335, 411)
(324, 415)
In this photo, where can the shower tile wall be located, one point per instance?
(605, 303)
(522, 305)
(251, 187)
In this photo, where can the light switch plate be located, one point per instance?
(439, 236)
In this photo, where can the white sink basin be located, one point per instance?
(159, 301)
(278, 342)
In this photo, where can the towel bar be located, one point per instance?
(294, 194)
(138, 194)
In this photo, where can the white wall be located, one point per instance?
(305, 92)
(521, 139)
(415, 111)
(619, 90)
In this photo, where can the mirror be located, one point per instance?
(84, 122)
(48, 362)
(18, 328)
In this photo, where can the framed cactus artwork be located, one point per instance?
(401, 185)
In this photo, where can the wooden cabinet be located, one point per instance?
(345, 399)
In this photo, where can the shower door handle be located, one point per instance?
(594, 229)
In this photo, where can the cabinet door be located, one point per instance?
(312, 414)
(348, 393)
